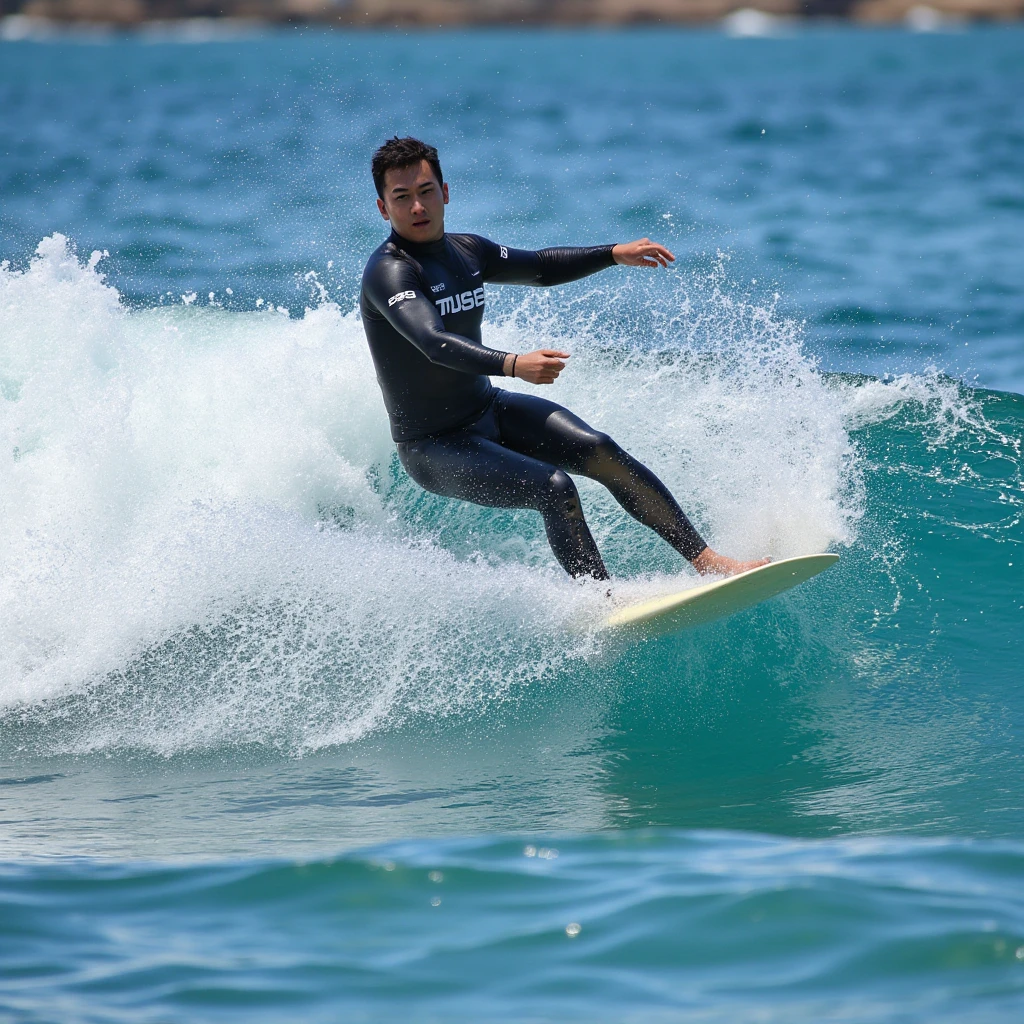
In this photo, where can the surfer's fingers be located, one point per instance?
(654, 255)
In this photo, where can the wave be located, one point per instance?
(206, 538)
(648, 925)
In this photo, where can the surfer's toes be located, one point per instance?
(732, 567)
(711, 563)
(746, 566)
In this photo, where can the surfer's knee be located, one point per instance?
(602, 445)
(560, 494)
(602, 453)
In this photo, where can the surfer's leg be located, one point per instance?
(544, 430)
(477, 469)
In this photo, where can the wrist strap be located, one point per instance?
(514, 358)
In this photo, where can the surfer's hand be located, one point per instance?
(540, 367)
(642, 253)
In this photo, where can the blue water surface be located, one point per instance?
(283, 738)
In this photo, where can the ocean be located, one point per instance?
(283, 737)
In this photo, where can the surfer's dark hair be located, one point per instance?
(397, 154)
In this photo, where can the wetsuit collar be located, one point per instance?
(418, 248)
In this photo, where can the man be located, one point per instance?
(422, 305)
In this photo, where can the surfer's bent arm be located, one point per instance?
(504, 265)
(398, 296)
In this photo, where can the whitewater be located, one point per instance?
(208, 501)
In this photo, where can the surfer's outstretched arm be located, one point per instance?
(562, 264)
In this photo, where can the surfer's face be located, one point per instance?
(414, 202)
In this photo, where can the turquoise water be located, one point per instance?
(643, 925)
(282, 737)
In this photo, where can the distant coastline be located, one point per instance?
(746, 17)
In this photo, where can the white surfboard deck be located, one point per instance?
(685, 609)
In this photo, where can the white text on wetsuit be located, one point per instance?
(460, 302)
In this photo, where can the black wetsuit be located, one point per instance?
(422, 307)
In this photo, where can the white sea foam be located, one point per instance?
(204, 538)
(722, 401)
(165, 564)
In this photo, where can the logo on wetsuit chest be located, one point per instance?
(435, 288)
(461, 302)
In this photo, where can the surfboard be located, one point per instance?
(685, 609)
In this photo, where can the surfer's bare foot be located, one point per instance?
(711, 563)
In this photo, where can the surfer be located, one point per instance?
(422, 305)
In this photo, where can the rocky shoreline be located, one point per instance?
(752, 17)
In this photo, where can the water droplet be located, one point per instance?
(529, 851)
(573, 929)
(435, 901)
(436, 876)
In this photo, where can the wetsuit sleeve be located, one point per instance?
(504, 265)
(394, 289)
